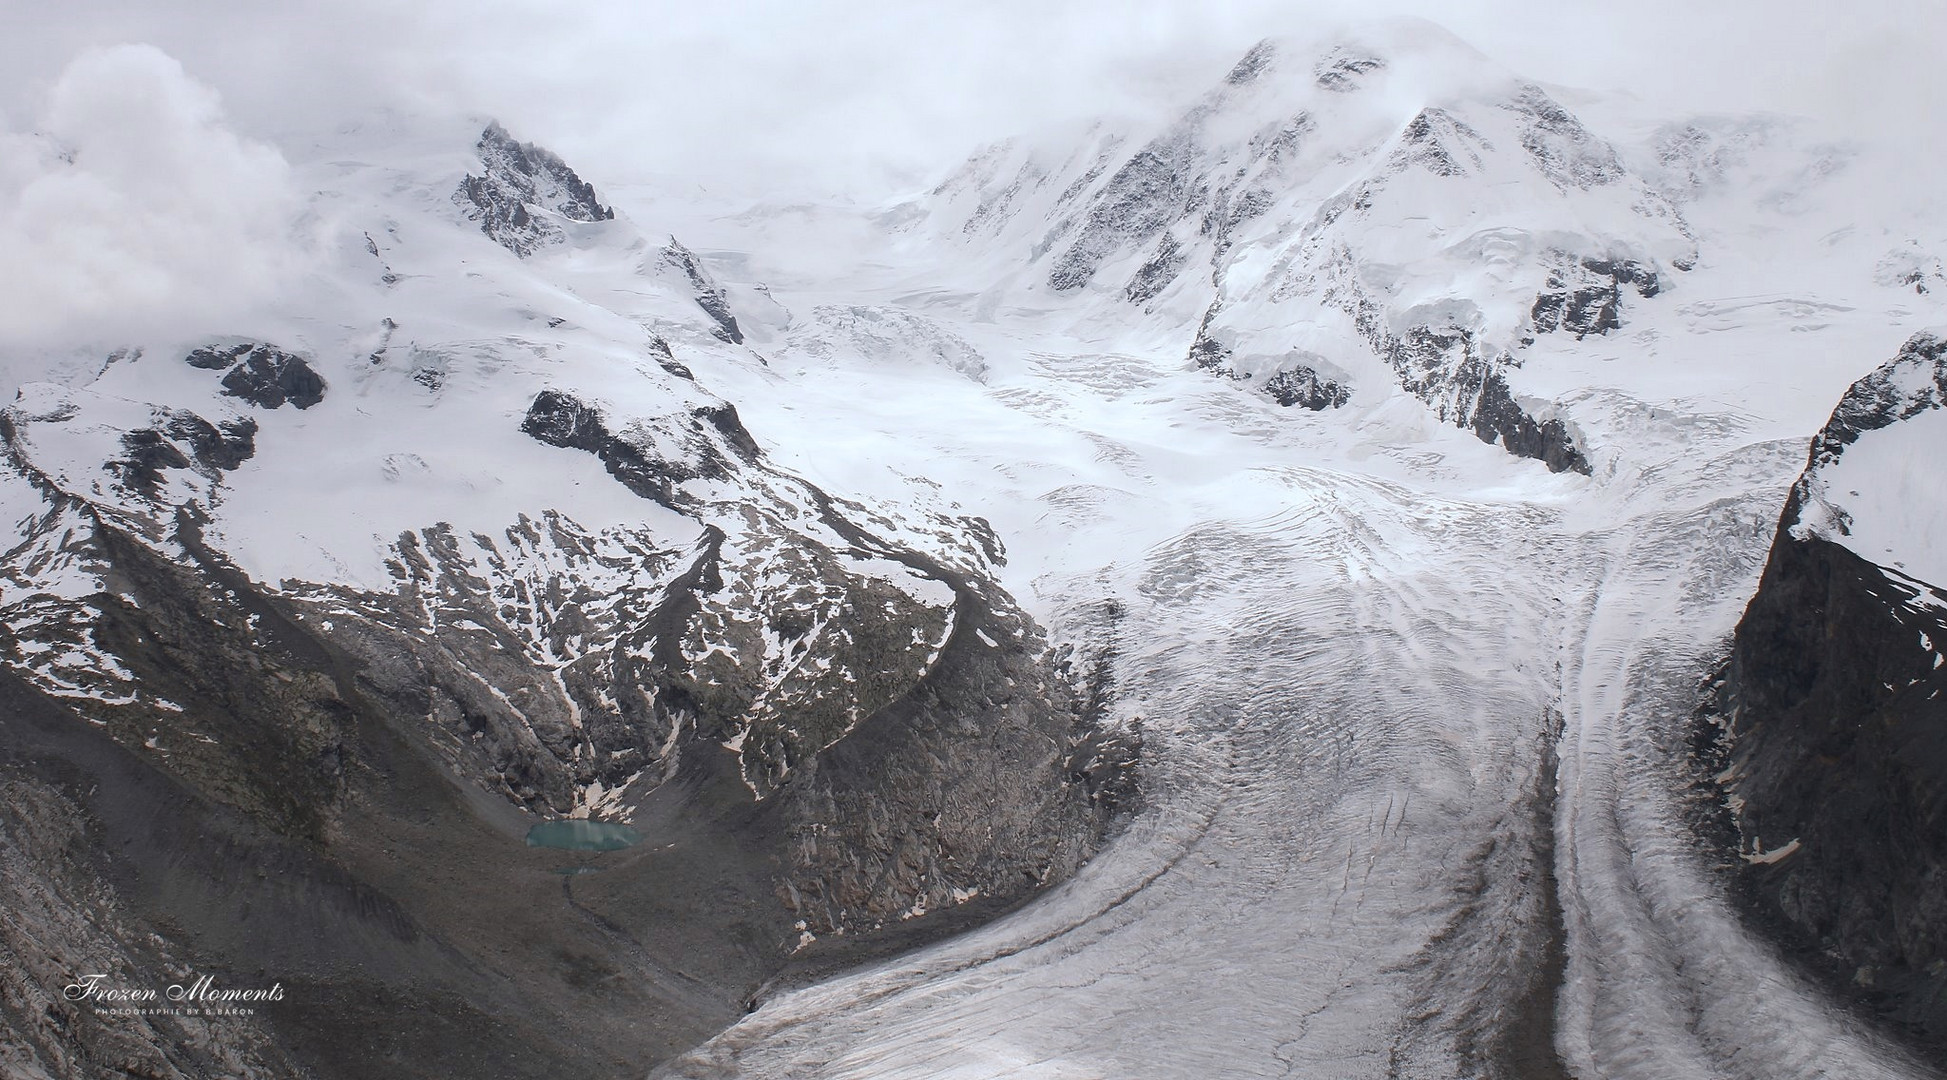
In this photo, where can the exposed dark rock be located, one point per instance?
(216, 447)
(263, 375)
(1341, 70)
(1440, 143)
(1439, 364)
(1252, 64)
(385, 272)
(560, 419)
(1911, 266)
(1883, 398)
(1585, 297)
(216, 358)
(1565, 151)
(886, 816)
(708, 294)
(148, 451)
(518, 177)
(1497, 416)
(1300, 385)
(1696, 158)
(1840, 737)
(335, 794)
(983, 534)
(268, 379)
(1444, 367)
(997, 204)
(1155, 275)
(1836, 706)
(1140, 201)
(660, 350)
(1232, 209)
(968, 781)
(724, 418)
(312, 839)
(1206, 351)
(148, 454)
(1296, 384)
(1627, 272)
(1171, 181)
(58, 864)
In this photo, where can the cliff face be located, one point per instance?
(1836, 713)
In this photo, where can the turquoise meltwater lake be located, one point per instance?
(576, 835)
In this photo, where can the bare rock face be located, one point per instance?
(1564, 150)
(708, 294)
(1304, 387)
(263, 375)
(651, 467)
(1585, 296)
(1446, 367)
(66, 923)
(518, 179)
(1835, 727)
(1342, 69)
(1441, 143)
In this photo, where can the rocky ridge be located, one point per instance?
(1834, 728)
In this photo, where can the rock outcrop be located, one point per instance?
(522, 188)
(263, 375)
(1836, 721)
(708, 294)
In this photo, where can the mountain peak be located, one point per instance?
(1869, 483)
(517, 179)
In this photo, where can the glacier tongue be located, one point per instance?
(1357, 857)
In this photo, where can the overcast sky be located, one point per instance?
(145, 146)
(844, 91)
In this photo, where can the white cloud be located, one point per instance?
(169, 212)
(841, 93)
(130, 208)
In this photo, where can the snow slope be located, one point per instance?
(1873, 485)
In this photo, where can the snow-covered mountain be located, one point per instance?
(470, 496)
(1335, 241)
(1255, 568)
(1391, 210)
